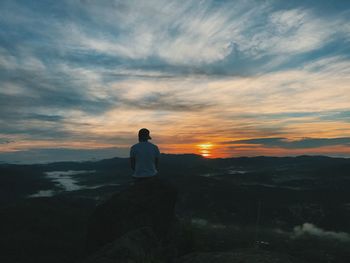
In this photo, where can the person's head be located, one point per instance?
(144, 135)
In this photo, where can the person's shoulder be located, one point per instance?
(135, 145)
(155, 149)
(153, 145)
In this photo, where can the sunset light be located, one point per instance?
(98, 71)
(138, 120)
(205, 149)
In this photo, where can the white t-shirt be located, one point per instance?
(145, 154)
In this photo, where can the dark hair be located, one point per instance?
(144, 134)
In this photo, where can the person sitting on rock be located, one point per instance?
(144, 156)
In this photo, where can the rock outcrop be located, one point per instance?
(139, 225)
(135, 246)
(148, 203)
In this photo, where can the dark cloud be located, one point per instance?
(340, 115)
(43, 117)
(49, 90)
(33, 108)
(5, 141)
(331, 115)
(161, 101)
(37, 130)
(297, 144)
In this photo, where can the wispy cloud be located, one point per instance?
(196, 33)
(90, 74)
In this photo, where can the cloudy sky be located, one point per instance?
(78, 79)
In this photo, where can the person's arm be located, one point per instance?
(132, 163)
(156, 161)
(132, 158)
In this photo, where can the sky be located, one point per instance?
(219, 78)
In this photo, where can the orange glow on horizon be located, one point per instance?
(212, 149)
(205, 149)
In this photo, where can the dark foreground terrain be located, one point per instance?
(294, 209)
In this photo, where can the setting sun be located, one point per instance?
(205, 149)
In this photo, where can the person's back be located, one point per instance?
(144, 156)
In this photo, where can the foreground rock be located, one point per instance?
(146, 204)
(138, 245)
